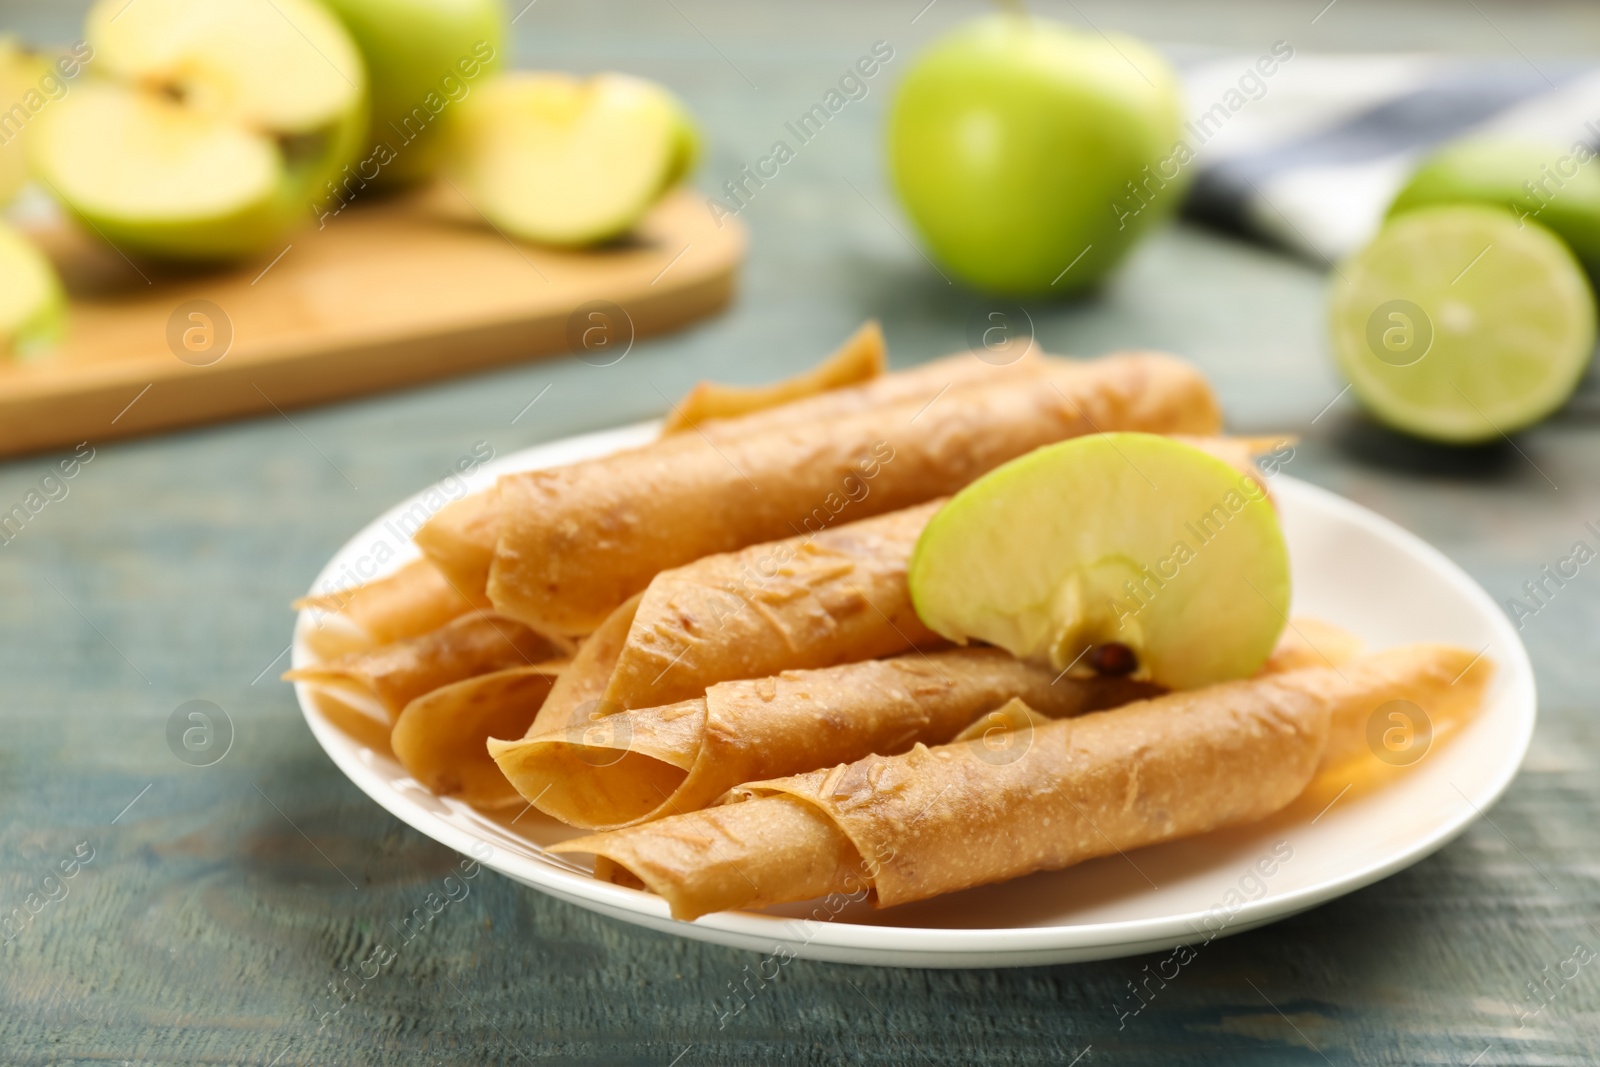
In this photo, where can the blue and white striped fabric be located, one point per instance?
(1310, 156)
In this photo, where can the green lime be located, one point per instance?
(1557, 187)
(1461, 324)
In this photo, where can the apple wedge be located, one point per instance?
(568, 161)
(33, 308)
(212, 126)
(1118, 552)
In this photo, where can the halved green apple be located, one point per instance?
(568, 161)
(1113, 539)
(33, 308)
(211, 127)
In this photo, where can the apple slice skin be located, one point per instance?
(411, 47)
(33, 306)
(1034, 557)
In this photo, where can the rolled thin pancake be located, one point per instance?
(813, 601)
(439, 738)
(935, 820)
(414, 600)
(804, 602)
(577, 541)
(645, 764)
(461, 538)
(399, 672)
(860, 359)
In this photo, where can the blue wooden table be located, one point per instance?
(208, 909)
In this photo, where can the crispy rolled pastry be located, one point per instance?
(658, 761)
(439, 738)
(397, 673)
(461, 538)
(414, 600)
(935, 820)
(1310, 642)
(577, 541)
(860, 359)
(653, 762)
(803, 602)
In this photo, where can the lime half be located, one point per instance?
(1461, 324)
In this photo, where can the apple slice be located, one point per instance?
(568, 161)
(186, 183)
(33, 308)
(214, 128)
(1113, 539)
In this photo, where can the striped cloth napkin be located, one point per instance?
(1309, 155)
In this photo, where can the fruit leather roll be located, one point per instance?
(935, 820)
(397, 673)
(803, 602)
(415, 599)
(461, 538)
(644, 764)
(577, 541)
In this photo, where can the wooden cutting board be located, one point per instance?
(384, 295)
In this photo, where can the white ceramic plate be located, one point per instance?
(1350, 567)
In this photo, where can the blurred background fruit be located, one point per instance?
(1545, 183)
(1462, 323)
(1013, 140)
(20, 71)
(570, 161)
(423, 57)
(207, 127)
(33, 309)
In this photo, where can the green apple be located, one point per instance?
(423, 57)
(568, 161)
(1113, 539)
(33, 308)
(210, 127)
(1557, 187)
(1019, 145)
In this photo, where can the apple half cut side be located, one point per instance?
(1129, 539)
(159, 178)
(568, 161)
(210, 128)
(33, 307)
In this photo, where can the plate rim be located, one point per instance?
(915, 946)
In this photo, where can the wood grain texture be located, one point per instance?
(216, 909)
(383, 295)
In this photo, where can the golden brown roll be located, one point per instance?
(645, 764)
(439, 737)
(414, 600)
(397, 673)
(862, 358)
(935, 820)
(461, 538)
(577, 541)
